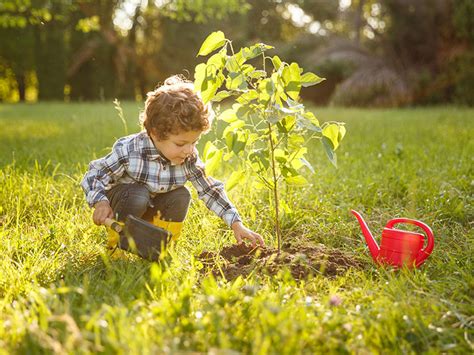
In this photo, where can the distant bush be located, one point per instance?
(378, 86)
(335, 73)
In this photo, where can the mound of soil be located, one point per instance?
(302, 261)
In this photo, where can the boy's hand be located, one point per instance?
(102, 211)
(241, 232)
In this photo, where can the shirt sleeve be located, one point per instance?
(103, 172)
(211, 191)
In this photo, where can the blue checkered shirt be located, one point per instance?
(135, 159)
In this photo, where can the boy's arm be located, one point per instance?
(102, 172)
(211, 191)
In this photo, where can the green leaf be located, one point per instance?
(276, 62)
(296, 180)
(207, 81)
(233, 127)
(247, 68)
(217, 61)
(286, 208)
(243, 111)
(199, 76)
(212, 157)
(286, 75)
(212, 42)
(288, 171)
(280, 156)
(228, 116)
(239, 143)
(296, 164)
(247, 97)
(236, 80)
(229, 140)
(228, 156)
(221, 95)
(260, 157)
(213, 85)
(311, 117)
(307, 164)
(255, 50)
(309, 79)
(209, 150)
(257, 74)
(295, 105)
(308, 121)
(331, 131)
(235, 139)
(295, 71)
(299, 153)
(329, 151)
(286, 110)
(295, 141)
(275, 117)
(213, 163)
(293, 86)
(286, 124)
(234, 63)
(342, 132)
(265, 90)
(234, 179)
(278, 82)
(297, 159)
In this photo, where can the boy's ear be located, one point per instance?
(152, 133)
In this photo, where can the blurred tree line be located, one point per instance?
(373, 53)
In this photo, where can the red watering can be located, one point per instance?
(398, 247)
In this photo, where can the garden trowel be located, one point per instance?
(140, 237)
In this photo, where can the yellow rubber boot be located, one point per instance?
(173, 227)
(112, 244)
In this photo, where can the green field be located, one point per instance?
(59, 292)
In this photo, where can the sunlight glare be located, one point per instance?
(344, 4)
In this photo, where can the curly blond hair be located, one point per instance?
(175, 107)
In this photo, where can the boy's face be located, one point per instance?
(178, 146)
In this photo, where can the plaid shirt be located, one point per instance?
(134, 159)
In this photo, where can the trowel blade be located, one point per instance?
(143, 238)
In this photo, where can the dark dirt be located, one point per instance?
(302, 260)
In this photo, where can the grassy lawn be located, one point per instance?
(59, 292)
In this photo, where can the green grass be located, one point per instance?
(59, 292)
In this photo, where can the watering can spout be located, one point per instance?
(372, 244)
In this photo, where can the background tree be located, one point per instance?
(396, 52)
(373, 52)
(16, 62)
(79, 44)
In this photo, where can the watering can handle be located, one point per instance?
(424, 253)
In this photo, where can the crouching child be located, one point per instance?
(145, 173)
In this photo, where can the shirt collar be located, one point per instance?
(150, 151)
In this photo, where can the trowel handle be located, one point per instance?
(113, 224)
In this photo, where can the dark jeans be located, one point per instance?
(135, 199)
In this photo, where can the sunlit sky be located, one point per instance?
(123, 16)
(344, 4)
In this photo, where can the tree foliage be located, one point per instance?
(267, 125)
(113, 48)
(400, 52)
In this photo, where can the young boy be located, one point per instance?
(145, 173)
